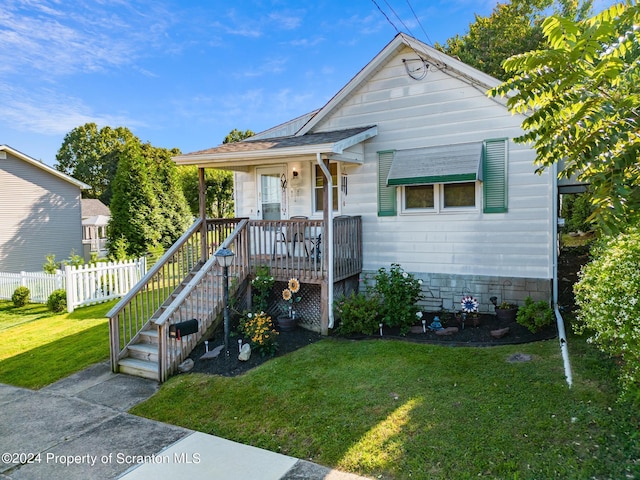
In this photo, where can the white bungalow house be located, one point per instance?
(417, 149)
(39, 212)
(410, 163)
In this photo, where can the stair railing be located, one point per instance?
(201, 298)
(135, 309)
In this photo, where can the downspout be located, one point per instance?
(562, 336)
(328, 249)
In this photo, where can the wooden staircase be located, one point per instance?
(142, 346)
(141, 355)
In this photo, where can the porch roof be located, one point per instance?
(335, 144)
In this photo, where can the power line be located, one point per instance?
(419, 23)
(385, 16)
(398, 17)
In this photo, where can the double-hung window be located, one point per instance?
(447, 178)
(318, 185)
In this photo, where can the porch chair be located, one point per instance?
(297, 235)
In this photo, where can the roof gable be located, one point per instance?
(25, 158)
(431, 55)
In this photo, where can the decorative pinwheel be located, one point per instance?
(469, 304)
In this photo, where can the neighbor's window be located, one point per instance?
(457, 195)
(419, 197)
(319, 183)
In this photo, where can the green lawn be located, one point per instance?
(385, 409)
(393, 409)
(39, 347)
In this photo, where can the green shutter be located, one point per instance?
(386, 195)
(494, 175)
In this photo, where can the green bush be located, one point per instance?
(57, 301)
(534, 315)
(399, 292)
(357, 313)
(261, 288)
(20, 297)
(608, 297)
(576, 210)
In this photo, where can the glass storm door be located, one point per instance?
(270, 193)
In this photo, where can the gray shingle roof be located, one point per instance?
(249, 145)
(92, 207)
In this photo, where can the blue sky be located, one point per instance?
(184, 73)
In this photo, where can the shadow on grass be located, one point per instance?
(49, 363)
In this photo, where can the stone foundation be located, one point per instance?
(444, 291)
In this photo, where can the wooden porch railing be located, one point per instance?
(295, 248)
(201, 298)
(347, 247)
(290, 248)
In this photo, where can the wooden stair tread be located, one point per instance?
(144, 347)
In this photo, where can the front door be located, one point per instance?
(271, 182)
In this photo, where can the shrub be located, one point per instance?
(258, 328)
(576, 210)
(57, 301)
(20, 296)
(534, 315)
(399, 292)
(357, 313)
(50, 266)
(608, 297)
(74, 260)
(261, 287)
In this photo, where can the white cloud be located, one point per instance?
(61, 38)
(50, 113)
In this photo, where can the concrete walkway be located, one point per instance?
(78, 428)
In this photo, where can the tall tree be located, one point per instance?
(174, 214)
(218, 184)
(135, 212)
(513, 27)
(582, 98)
(236, 135)
(91, 155)
(218, 191)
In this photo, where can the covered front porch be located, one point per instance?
(292, 188)
(296, 248)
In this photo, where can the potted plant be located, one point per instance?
(505, 311)
(287, 321)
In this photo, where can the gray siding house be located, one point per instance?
(40, 212)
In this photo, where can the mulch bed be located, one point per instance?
(290, 341)
(470, 336)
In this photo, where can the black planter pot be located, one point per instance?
(286, 323)
(506, 315)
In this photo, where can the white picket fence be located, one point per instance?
(85, 284)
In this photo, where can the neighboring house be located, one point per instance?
(95, 218)
(39, 212)
(416, 148)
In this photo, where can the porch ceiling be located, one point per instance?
(341, 145)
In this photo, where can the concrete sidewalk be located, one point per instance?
(79, 428)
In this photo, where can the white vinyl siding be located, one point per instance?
(40, 215)
(440, 110)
